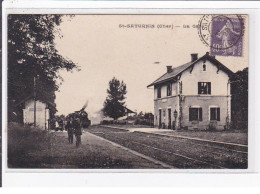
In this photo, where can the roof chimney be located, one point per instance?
(194, 57)
(169, 69)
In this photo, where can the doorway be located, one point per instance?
(169, 118)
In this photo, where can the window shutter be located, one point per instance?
(211, 114)
(209, 87)
(169, 89)
(159, 92)
(200, 114)
(218, 114)
(190, 114)
(180, 87)
(199, 92)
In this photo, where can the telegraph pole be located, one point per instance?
(34, 98)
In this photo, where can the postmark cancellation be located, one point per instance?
(223, 34)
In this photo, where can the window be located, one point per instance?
(204, 88)
(169, 89)
(159, 92)
(195, 114)
(204, 67)
(215, 114)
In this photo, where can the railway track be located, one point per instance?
(183, 157)
(206, 145)
(243, 148)
(111, 138)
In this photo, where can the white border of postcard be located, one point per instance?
(108, 177)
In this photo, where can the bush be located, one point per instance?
(130, 118)
(106, 122)
(143, 122)
(120, 122)
(113, 122)
(137, 121)
(212, 126)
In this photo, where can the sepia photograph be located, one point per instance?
(129, 91)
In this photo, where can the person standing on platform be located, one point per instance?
(70, 130)
(78, 132)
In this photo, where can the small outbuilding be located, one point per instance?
(42, 113)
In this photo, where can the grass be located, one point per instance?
(23, 140)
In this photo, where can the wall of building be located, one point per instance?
(42, 114)
(164, 105)
(218, 79)
(164, 90)
(205, 102)
(219, 97)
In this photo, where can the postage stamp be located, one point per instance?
(223, 34)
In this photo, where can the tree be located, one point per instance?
(141, 114)
(239, 103)
(114, 103)
(32, 54)
(149, 116)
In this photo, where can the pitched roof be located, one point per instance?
(167, 76)
(31, 97)
(178, 70)
(128, 110)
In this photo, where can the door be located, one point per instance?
(160, 118)
(169, 118)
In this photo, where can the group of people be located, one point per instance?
(73, 126)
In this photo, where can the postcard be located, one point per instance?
(127, 91)
(114, 92)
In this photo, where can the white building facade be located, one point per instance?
(195, 95)
(42, 114)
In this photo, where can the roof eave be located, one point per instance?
(166, 80)
(207, 56)
(154, 83)
(223, 67)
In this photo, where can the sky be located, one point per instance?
(103, 50)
